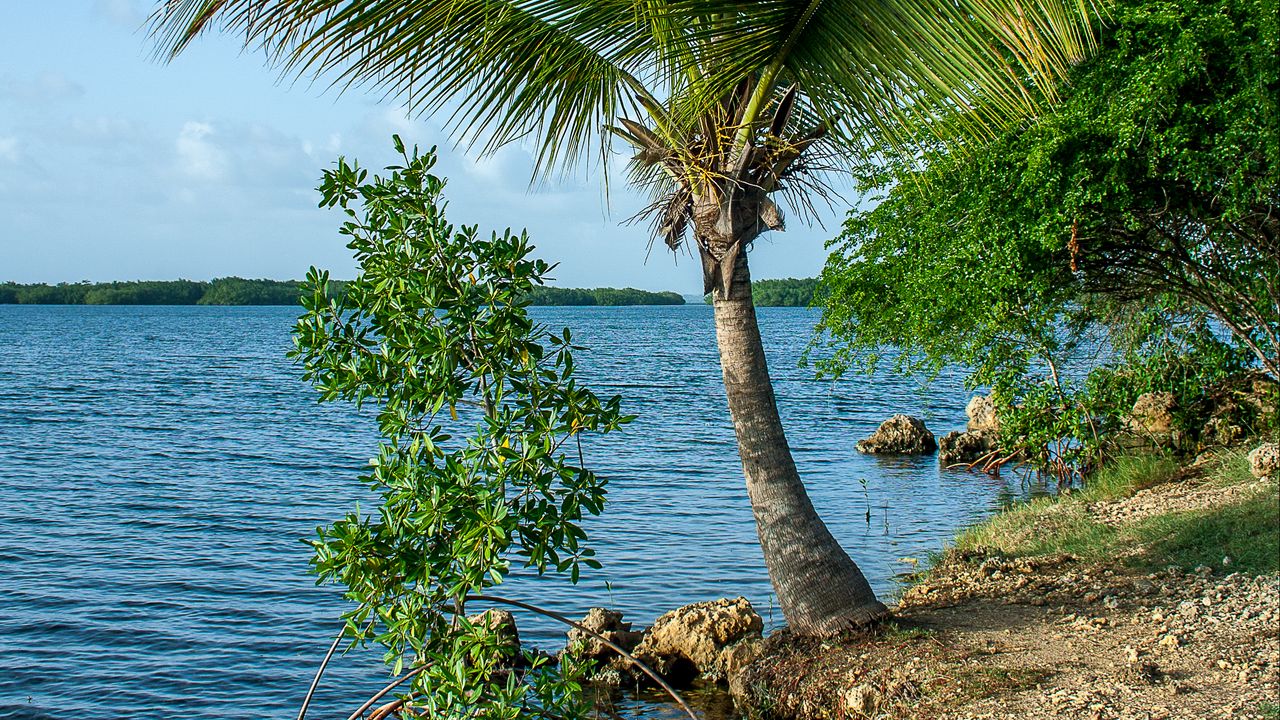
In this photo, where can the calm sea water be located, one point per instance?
(160, 466)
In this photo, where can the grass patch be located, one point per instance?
(1126, 475)
(894, 630)
(1040, 527)
(1268, 710)
(1247, 531)
(986, 681)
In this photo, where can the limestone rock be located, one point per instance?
(900, 435)
(609, 624)
(964, 447)
(1264, 460)
(701, 639)
(1153, 413)
(1220, 431)
(982, 415)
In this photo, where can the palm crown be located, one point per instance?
(720, 100)
(725, 104)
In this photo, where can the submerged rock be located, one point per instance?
(964, 447)
(1264, 460)
(711, 639)
(900, 435)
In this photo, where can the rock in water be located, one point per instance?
(964, 447)
(609, 624)
(900, 435)
(1264, 460)
(982, 415)
(503, 625)
(701, 639)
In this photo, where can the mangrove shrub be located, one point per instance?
(433, 332)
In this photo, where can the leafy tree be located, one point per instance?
(146, 292)
(1155, 182)
(1144, 203)
(727, 105)
(601, 296)
(434, 333)
(238, 291)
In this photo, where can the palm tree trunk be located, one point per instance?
(820, 589)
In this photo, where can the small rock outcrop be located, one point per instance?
(609, 624)
(1152, 419)
(712, 639)
(900, 435)
(1264, 461)
(982, 415)
(957, 447)
(1220, 432)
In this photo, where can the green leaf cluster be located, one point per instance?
(434, 332)
(1142, 213)
(784, 292)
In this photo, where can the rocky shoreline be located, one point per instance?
(983, 634)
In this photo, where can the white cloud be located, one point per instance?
(198, 156)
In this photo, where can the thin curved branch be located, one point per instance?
(382, 693)
(606, 641)
(315, 681)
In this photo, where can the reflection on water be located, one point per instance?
(159, 467)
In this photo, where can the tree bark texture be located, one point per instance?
(820, 589)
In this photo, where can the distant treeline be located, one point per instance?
(239, 291)
(788, 292)
(602, 296)
(222, 291)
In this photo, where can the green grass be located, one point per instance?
(1127, 475)
(985, 681)
(1247, 531)
(1269, 710)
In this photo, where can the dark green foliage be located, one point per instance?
(177, 292)
(787, 292)
(1142, 213)
(222, 291)
(481, 464)
(1161, 166)
(546, 295)
(41, 294)
(240, 291)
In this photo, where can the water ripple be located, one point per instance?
(159, 468)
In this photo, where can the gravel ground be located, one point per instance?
(1048, 637)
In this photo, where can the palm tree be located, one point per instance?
(727, 106)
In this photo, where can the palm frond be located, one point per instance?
(552, 70)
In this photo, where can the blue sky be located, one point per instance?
(114, 166)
